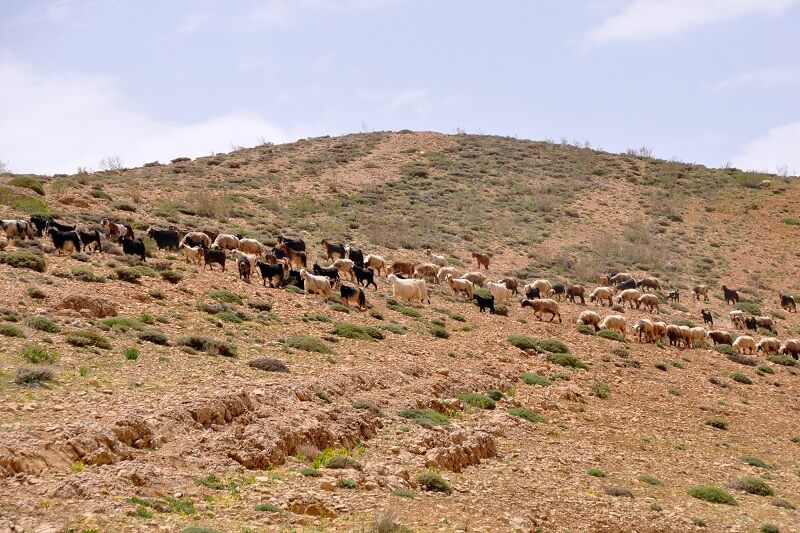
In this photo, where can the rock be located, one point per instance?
(327, 484)
(310, 506)
(97, 307)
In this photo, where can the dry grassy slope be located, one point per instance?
(151, 428)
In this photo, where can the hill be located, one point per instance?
(157, 418)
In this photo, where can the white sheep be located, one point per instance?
(768, 345)
(615, 323)
(589, 318)
(601, 294)
(198, 238)
(252, 246)
(543, 305)
(644, 328)
(475, 277)
(443, 272)
(649, 301)
(438, 260)
(629, 295)
(543, 285)
(500, 292)
(405, 288)
(699, 334)
(460, 285)
(745, 342)
(226, 241)
(659, 331)
(315, 284)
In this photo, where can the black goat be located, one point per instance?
(674, 296)
(132, 247)
(356, 256)
(166, 239)
(273, 273)
(484, 302)
(294, 278)
(730, 295)
(707, 318)
(629, 284)
(558, 291)
(365, 275)
(353, 295)
(331, 273)
(65, 241)
(298, 245)
(90, 237)
(787, 302)
(532, 293)
(214, 255)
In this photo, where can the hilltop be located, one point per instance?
(156, 420)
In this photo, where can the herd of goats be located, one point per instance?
(287, 263)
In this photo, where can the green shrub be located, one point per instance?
(438, 331)
(566, 359)
(123, 322)
(374, 313)
(23, 259)
(84, 274)
(534, 379)
(404, 493)
(778, 314)
(87, 337)
(42, 323)
(127, 274)
(226, 296)
(27, 182)
(131, 353)
(206, 344)
(754, 461)
(393, 328)
(260, 305)
(766, 369)
(712, 494)
(268, 364)
(310, 472)
(171, 276)
(495, 395)
(522, 342)
(425, 417)
(784, 504)
(38, 354)
(754, 485)
(749, 307)
(324, 396)
(267, 507)
(477, 400)
(741, 378)
(346, 483)
(742, 359)
(10, 330)
(771, 528)
(351, 331)
(307, 344)
(341, 308)
(341, 461)
(726, 349)
(526, 414)
(434, 482)
(611, 334)
(552, 346)
(784, 360)
(36, 293)
(229, 316)
(650, 480)
(596, 472)
(792, 221)
(586, 330)
(602, 390)
(717, 423)
(408, 311)
(156, 336)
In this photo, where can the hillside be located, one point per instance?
(181, 432)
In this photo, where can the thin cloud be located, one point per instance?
(651, 19)
(280, 12)
(762, 78)
(50, 124)
(774, 150)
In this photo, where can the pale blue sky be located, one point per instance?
(707, 81)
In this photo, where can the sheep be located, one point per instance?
(65, 241)
(274, 273)
(438, 260)
(296, 258)
(659, 331)
(589, 318)
(315, 284)
(558, 291)
(698, 335)
(576, 291)
(543, 305)
(644, 328)
(744, 343)
(615, 323)
(332, 273)
(461, 285)
(648, 283)
(402, 267)
(356, 256)
(730, 295)
(19, 229)
(511, 283)
(244, 268)
(482, 259)
(674, 296)
(423, 289)
(334, 250)
(631, 296)
(544, 287)
(625, 285)
(426, 271)
(90, 237)
(737, 318)
(365, 276)
(113, 229)
(602, 280)
(620, 277)
(787, 303)
(717, 336)
(700, 290)
(165, 239)
(649, 301)
(443, 272)
(192, 253)
(345, 268)
(376, 263)
(500, 292)
(768, 345)
(211, 256)
(196, 238)
(531, 292)
(686, 335)
(790, 347)
(475, 277)
(226, 241)
(601, 294)
(674, 335)
(353, 296)
(252, 246)
(764, 184)
(755, 322)
(484, 302)
(298, 245)
(707, 317)
(405, 288)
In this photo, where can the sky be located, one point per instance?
(704, 81)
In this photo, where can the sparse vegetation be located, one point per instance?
(268, 364)
(712, 494)
(23, 259)
(33, 376)
(717, 423)
(425, 417)
(38, 355)
(568, 360)
(10, 330)
(42, 323)
(754, 485)
(433, 481)
(596, 472)
(87, 337)
(209, 345)
(535, 379)
(611, 334)
(307, 344)
(526, 414)
(481, 401)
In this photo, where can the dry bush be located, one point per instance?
(208, 204)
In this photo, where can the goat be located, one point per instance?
(558, 291)
(353, 295)
(244, 268)
(674, 296)
(356, 256)
(402, 267)
(787, 303)
(192, 253)
(576, 291)
(65, 241)
(438, 260)
(531, 292)
(444, 272)
(132, 247)
(272, 271)
(484, 302)
(405, 288)
(296, 258)
(18, 229)
(707, 317)
(700, 290)
(500, 292)
(730, 295)
(461, 285)
(476, 278)
(165, 239)
(315, 284)
(365, 275)
(376, 263)
(334, 250)
(120, 231)
(737, 318)
(298, 245)
(90, 237)
(625, 285)
(511, 283)
(211, 256)
(427, 271)
(332, 273)
(345, 268)
(482, 259)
